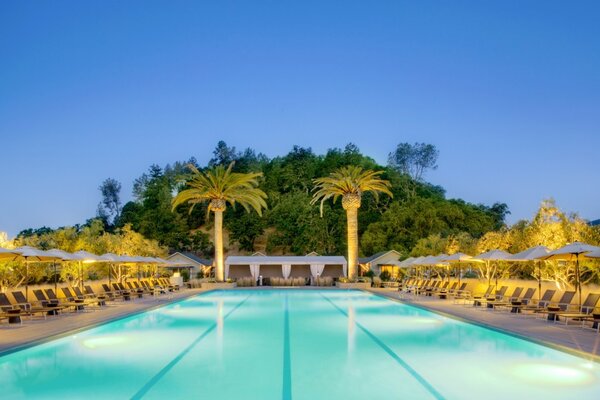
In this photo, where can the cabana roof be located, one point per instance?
(280, 260)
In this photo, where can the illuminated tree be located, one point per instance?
(350, 183)
(219, 186)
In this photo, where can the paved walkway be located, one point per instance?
(36, 329)
(585, 342)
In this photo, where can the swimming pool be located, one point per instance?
(293, 344)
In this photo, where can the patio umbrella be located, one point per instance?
(593, 254)
(458, 258)
(416, 263)
(28, 254)
(534, 254)
(64, 256)
(85, 257)
(571, 252)
(494, 255)
(111, 259)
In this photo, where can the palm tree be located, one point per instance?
(350, 183)
(219, 186)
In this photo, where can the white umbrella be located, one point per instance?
(593, 254)
(85, 257)
(494, 255)
(458, 258)
(28, 254)
(64, 256)
(534, 254)
(571, 252)
(111, 259)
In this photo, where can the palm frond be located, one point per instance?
(221, 183)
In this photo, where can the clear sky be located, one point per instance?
(509, 91)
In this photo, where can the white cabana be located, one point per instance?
(288, 264)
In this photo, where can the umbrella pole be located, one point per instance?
(26, 279)
(55, 282)
(109, 274)
(578, 281)
(488, 272)
(539, 264)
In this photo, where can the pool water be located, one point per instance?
(294, 344)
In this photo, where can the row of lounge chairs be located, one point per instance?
(47, 302)
(518, 301)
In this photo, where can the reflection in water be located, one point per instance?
(220, 329)
(351, 329)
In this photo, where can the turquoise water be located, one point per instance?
(293, 344)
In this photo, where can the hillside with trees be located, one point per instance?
(291, 225)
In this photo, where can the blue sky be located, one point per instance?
(509, 91)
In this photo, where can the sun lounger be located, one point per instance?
(498, 296)
(505, 301)
(120, 289)
(443, 294)
(77, 305)
(93, 300)
(543, 302)
(588, 306)
(477, 298)
(516, 304)
(563, 304)
(112, 295)
(10, 311)
(27, 306)
(70, 296)
(100, 297)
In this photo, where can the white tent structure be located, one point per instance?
(286, 266)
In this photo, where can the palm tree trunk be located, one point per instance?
(352, 221)
(219, 273)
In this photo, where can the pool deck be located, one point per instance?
(572, 338)
(37, 329)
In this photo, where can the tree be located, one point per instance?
(350, 183)
(414, 159)
(223, 155)
(110, 208)
(219, 186)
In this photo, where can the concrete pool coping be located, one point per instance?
(584, 343)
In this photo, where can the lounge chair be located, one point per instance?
(138, 291)
(543, 303)
(45, 302)
(584, 311)
(100, 297)
(444, 293)
(516, 304)
(70, 296)
(505, 301)
(77, 305)
(563, 305)
(120, 289)
(498, 296)
(27, 306)
(10, 311)
(91, 299)
(477, 298)
(112, 295)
